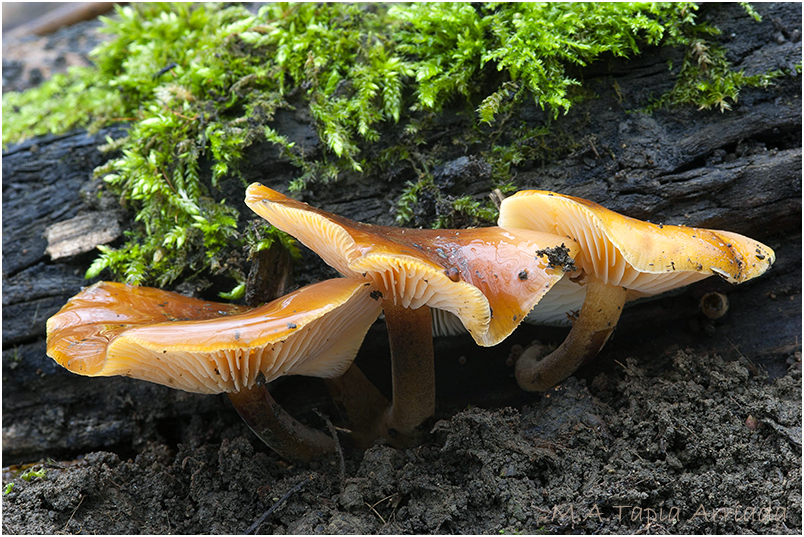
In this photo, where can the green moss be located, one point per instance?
(32, 474)
(199, 83)
(531, 42)
(706, 78)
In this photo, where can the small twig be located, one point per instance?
(338, 448)
(165, 107)
(751, 367)
(168, 181)
(372, 507)
(279, 502)
(72, 515)
(594, 149)
(375, 512)
(690, 430)
(733, 346)
(497, 197)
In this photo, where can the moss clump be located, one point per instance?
(532, 42)
(198, 83)
(32, 474)
(706, 79)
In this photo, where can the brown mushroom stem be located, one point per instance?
(363, 403)
(596, 321)
(279, 430)
(410, 334)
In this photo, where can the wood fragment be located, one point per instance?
(81, 234)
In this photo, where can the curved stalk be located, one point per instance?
(279, 430)
(599, 315)
(362, 402)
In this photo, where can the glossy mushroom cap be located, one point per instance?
(114, 329)
(556, 308)
(645, 258)
(78, 335)
(488, 277)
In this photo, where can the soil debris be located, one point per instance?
(661, 448)
(558, 257)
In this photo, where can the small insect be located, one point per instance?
(165, 69)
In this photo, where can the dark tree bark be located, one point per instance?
(739, 170)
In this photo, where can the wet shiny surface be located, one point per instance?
(501, 263)
(256, 327)
(78, 336)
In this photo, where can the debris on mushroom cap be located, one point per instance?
(315, 331)
(757, 258)
(646, 258)
(489, 277)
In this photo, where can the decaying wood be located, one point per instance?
(738, 170)
(81, 234)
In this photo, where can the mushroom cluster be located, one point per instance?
(489, 278)
(550, 258)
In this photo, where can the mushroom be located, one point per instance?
(621, 258)
(115, 329)
(556, 308)
(488, 277)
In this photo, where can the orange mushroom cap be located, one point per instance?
(488, 277)
(77, 336)
(556, 308)
(115, 329)
(643, 257)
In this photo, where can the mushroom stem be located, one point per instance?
(363, 403)
(596, 321)
(410, 334)
(279, 430)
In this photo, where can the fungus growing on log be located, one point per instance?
(490, 278)
(556, 308)
(115, 329)
(621, 258)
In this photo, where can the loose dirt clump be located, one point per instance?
(689, 443)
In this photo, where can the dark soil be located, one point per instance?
(674, 443)
(681, 425)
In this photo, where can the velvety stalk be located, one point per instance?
(362, 402)
(410, 334)
(279, 430)
(596, 321)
